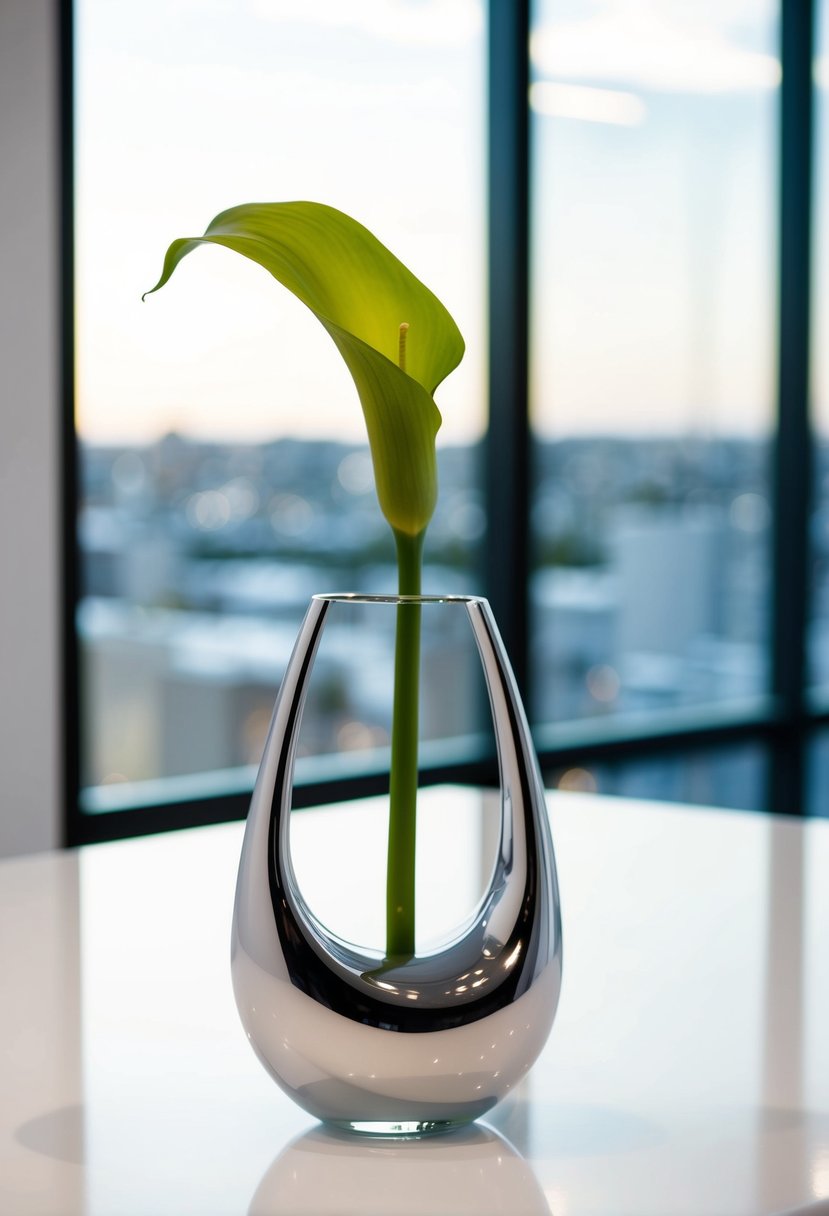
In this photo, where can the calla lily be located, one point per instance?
(399, 343)
(362, 294)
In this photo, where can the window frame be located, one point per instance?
(780, 723)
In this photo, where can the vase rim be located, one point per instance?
(358, 597)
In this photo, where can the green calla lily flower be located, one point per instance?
(362, 294)
(399, 343)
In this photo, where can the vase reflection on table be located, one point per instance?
(324, 1173)
(426, 1040)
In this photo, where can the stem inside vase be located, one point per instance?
(400, 874)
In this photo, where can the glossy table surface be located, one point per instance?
(687, 1072)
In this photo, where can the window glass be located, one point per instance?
(224, 475)
(818, 641)
(817, 802)
(732, 777)
(654, 137)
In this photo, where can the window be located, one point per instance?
(818, 668)
(223, 470)
(633, 506)
(652, 373)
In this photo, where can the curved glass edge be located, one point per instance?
(404, 1129)
(357, 597)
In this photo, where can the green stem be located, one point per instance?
(400, 881)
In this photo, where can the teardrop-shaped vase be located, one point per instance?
(410, 1045)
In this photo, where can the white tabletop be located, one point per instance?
(687, 1072)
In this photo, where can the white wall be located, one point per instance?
(29, 427)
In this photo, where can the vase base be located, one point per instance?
(397, 1129)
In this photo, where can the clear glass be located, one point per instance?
(362, 1034)
(654, 136)
(224, 476)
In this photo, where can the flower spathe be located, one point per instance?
(362, 294)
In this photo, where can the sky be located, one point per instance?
(187, 108)
(653, 213)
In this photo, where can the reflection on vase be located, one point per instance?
(474, 1171)
(400, 1043)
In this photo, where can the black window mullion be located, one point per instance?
(508, 444)
(793, 450)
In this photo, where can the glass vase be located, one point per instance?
(404, 1040)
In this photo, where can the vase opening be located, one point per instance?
(340, 860)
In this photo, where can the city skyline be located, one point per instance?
(648, 591)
